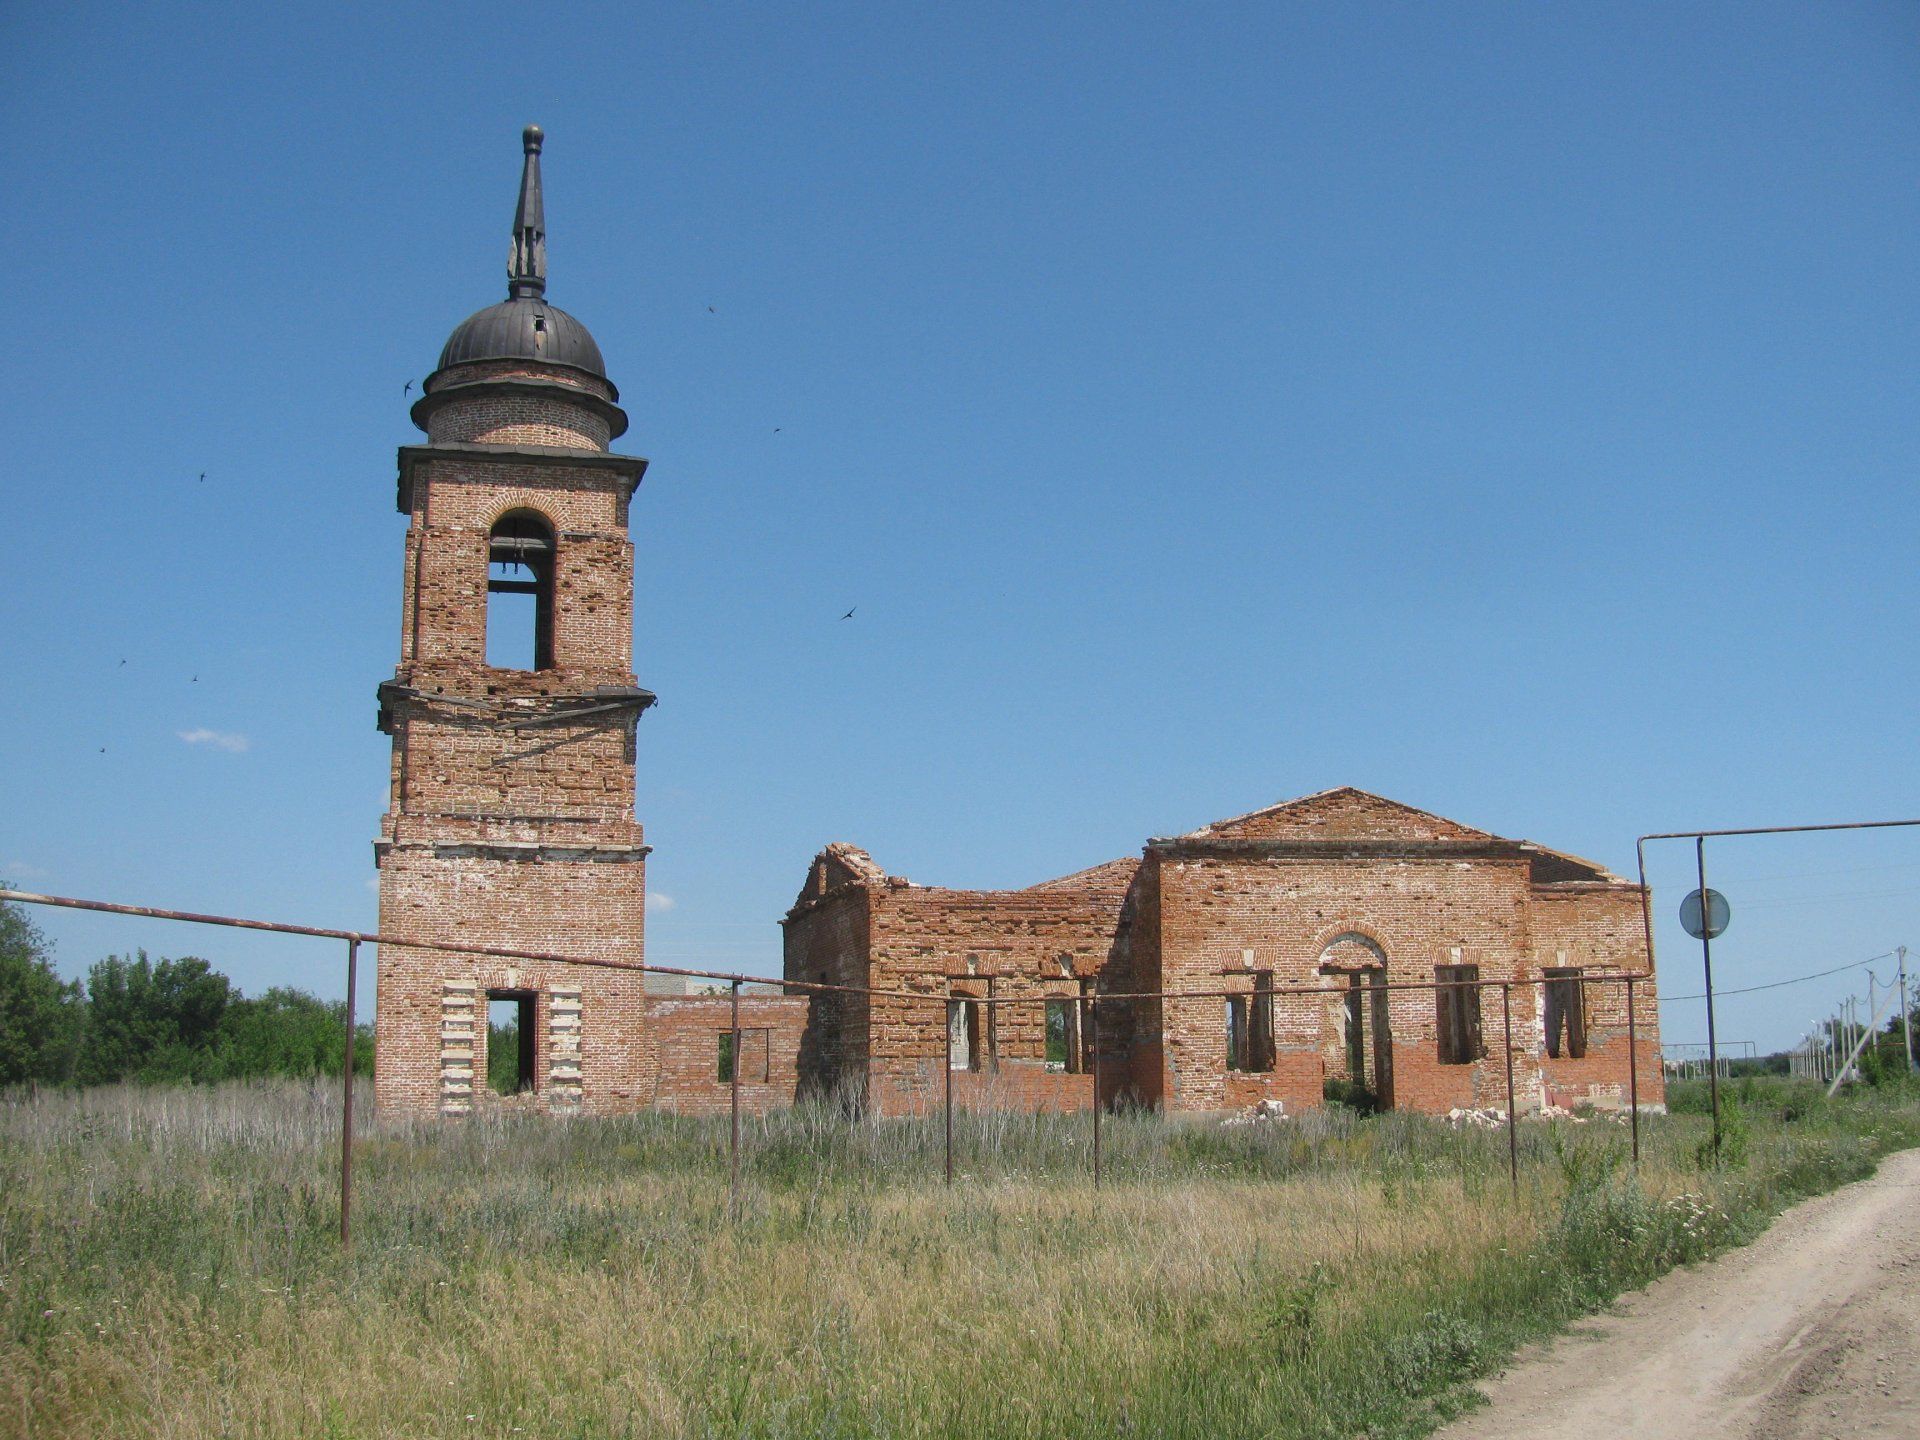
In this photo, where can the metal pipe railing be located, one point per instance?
(1095, 1048)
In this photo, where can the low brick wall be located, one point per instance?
(686, 1033)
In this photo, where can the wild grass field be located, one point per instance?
(169, 1266)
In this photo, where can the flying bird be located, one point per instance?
(407, 389)
(776, 429)
(194, 681)
(849, 614)
(123, 662)
(712, 311)
(203, 477)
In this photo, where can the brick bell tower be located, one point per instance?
(512, 713)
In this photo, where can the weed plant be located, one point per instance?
(169, 1265)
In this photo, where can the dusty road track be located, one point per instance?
(1811, 1331)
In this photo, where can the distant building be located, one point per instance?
(1342, 891)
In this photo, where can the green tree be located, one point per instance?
(40, 1014)
(285, 1032)
(148, 1021)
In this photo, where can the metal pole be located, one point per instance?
(1093, 1013)
(1513, 1137)
(346, 1108)
(1906, 1015)
(1706, 962)
(1633, 1072)
(733, 1105)
(946, 1028)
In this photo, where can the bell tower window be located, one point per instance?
(520, 560)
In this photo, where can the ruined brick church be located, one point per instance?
(513, 715)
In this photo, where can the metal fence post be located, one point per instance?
(733, 1104)
(1633, 1073)
(946, 1030)
(346, 1108)
(1513, 1136)
(1093, 1026)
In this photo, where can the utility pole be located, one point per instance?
(1906, 1015)
(1866, 1033)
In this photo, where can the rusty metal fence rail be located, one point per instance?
(1096, 1051)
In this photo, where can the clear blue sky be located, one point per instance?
(1509, 409)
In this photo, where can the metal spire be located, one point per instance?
(527, 265)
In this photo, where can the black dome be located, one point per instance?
(524, 328)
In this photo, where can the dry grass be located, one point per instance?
(168, 1268)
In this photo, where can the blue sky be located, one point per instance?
(1507, 409)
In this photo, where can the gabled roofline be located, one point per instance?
(1213, 827)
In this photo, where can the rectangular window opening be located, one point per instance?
(1566, 1015)
(1457, 1005)
(511, 1034)
(1067, 1031)
(1250, 1046)
(1260, 1023)
(963, 1033)
(756, 1055)
(1356, 1030)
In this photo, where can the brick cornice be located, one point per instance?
(554, 390)
(628, 467)
(1183, 848)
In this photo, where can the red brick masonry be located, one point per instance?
(1337, 889)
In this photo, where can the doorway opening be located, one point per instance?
(511, 1030)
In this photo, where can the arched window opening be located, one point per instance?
(520, 557)
(1365, 1076)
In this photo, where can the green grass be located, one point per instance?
(168, 1266)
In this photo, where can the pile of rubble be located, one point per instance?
(1264, 1111)
(1488, 1119)
(1492, 1119)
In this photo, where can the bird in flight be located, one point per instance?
(123, 662)
(203, 477)
(194, 681)
(847, 616)
(776, 429)
(103, 749)
(407, 389)
(712, 311)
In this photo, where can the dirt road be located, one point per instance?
(1809, 1332)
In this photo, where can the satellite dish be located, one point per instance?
(1716, 918)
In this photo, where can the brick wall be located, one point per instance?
(825, 942)
(685, 1033)
(855, 925)
(1599, 927)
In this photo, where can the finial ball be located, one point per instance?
(531, 137)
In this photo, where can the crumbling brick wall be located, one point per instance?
(1322, 892)
(1598, 925)
(854, 923)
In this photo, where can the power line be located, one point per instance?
(1797, 980)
